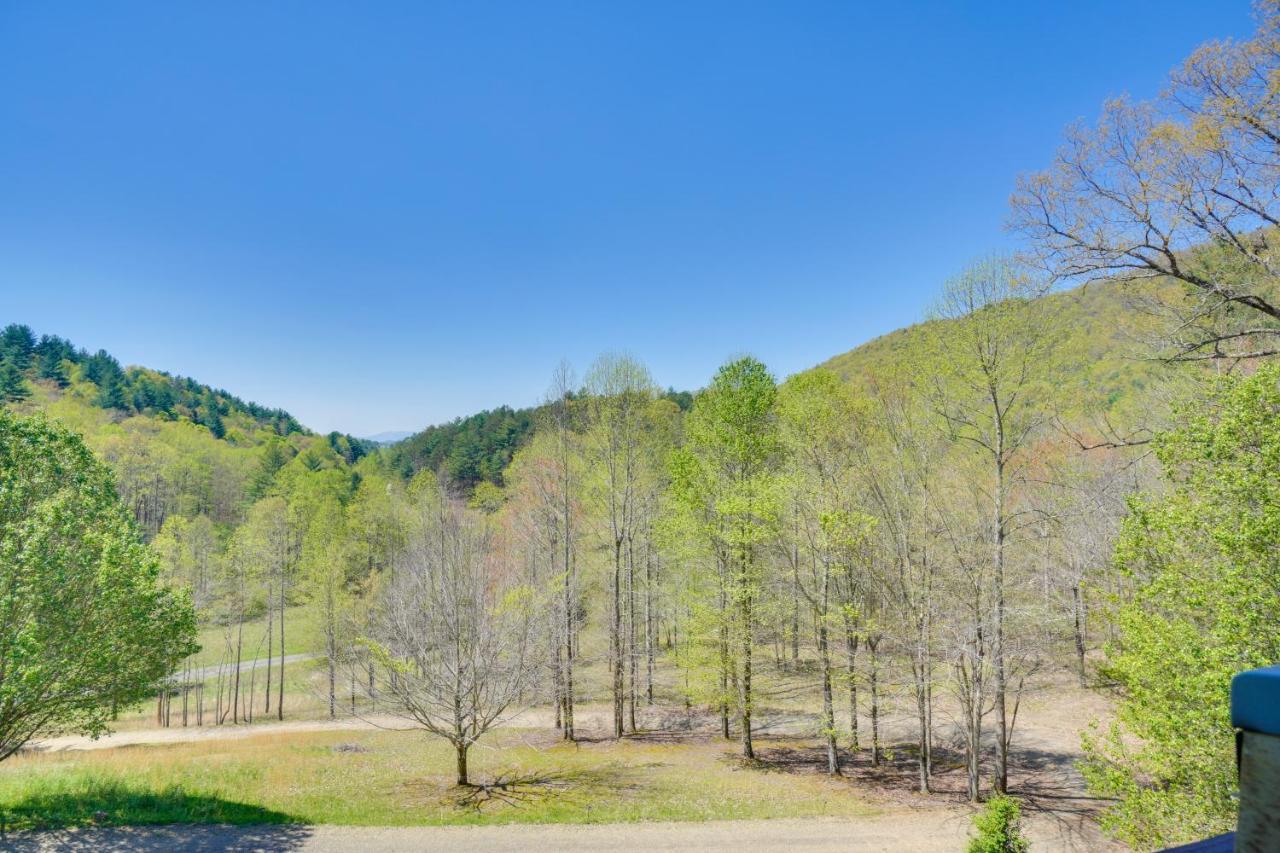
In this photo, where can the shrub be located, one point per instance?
(999, 827)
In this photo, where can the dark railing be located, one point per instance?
(1255, 715)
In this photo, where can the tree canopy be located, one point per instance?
(85, 623)
(1201, 556)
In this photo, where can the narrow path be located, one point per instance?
(189, 734)
(205, 672)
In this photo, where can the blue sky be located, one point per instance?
(380, 216)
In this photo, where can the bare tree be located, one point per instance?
(897, 456)
(455, 626)
(991, 346)
(619, 391)
(566, 488)
(1186, 187)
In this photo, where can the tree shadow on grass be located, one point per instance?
(515, 789)
(114, 816)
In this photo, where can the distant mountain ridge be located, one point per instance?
(389, 437)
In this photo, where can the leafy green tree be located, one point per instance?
(86, 626)
(816, 414)
(725, 477)
(1203, 560)
(12, 386)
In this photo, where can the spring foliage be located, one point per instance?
(1202, 559)
(85, 624)
(999, 828)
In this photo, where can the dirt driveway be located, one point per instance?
(929, 831)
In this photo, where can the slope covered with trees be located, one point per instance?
(1099, 364)
(477, 448)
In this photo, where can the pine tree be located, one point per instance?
(16, 345)
(51, 369)
(12, 386)
(111, 393)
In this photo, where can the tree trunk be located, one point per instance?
(851, 672)
(650, 639)
(616, 640)
(280, 693)
(828, 705)
(568, 652)
(266, 707)
(748, 748)
(631, 632)
(1002, 735)
(1077, 612)
(974, 738)
(235, 704)
(461, 750)
(874, 684)
(333, 685)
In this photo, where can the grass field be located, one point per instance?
(301, 635)
(404, 778)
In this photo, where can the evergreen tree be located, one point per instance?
(12, 386)
(51, 369)
(111, 394)
(17, 344)
(274, 457)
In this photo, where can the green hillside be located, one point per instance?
(1097, 363)
(478, 447)
(179, 448)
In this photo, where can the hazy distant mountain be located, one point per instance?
(389, 437)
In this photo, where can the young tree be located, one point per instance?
(265, 551)
(85, 623)
(990, 349)
(456, 627)
(560, 497)
(897, 456)
(618, 393)
(725, 476)
(324, 560)
(815, 414)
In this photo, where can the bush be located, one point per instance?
(999, 828)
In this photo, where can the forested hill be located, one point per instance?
(479, 447)
(1095, 364)
(53, 364)
(1096, 361)
(131, 391)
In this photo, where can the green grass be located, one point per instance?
(301, 635)
(405, 778)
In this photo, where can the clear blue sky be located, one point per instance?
(380, 216)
